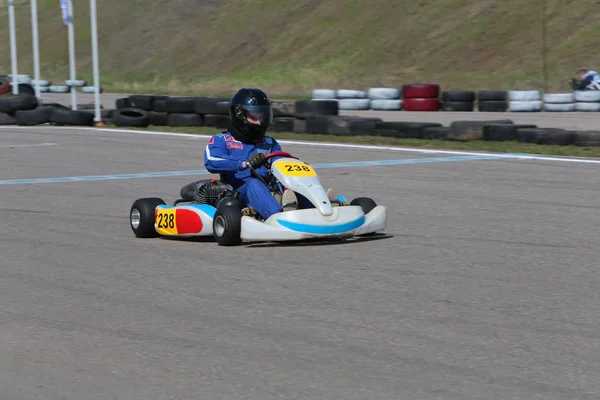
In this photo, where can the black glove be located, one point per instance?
(255, 160)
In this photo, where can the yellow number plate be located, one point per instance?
(292, 168)
(166, 221)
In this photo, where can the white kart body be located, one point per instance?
(322, 221)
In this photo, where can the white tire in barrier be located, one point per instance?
(558, 107)
(58, 89)
(90, 89)
(559, 98)
(524, 95)
(323, 94)
(354, 104)
(587, 95)
(41, 82)
(525, 106)
(26, 79)
(350, 94)
(44, 89)
(383, 93)
(76, 83)
(587, 106)
(386, 105)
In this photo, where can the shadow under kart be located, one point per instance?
(211, 208)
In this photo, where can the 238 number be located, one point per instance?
(297, 167)
(166, 221)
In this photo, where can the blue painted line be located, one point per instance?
(141, 175)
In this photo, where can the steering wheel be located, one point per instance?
(278, 154)
(267, 158)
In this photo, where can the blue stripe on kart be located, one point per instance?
(322, 229)
(205, 208)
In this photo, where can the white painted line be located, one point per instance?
(341, 145)
(28, 145)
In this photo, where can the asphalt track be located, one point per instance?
(484, 285)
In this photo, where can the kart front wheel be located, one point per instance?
(142, 216)
(227, 225)
(367, 204)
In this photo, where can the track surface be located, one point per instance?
(485, 286)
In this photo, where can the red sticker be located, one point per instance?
(188, 222)
(212, 140)
(229, 138)
(234, 145)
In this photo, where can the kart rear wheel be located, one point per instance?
(367, 204)
(227, 225)
(142, 215)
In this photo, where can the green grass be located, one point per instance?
(480, 146)
(211, 47)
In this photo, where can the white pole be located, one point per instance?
(94, 26)
(72, 55)
(36, 49)
(13, 45)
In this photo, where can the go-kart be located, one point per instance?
(211, 207)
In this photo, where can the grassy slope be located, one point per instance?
(291, 47)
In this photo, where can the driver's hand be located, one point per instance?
(255, 160)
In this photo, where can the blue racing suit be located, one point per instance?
(224, 155)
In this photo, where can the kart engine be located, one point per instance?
(210, 192)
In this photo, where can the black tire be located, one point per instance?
(457, 106)
(492, 95)
(306, 108)
(159, 105)
(216, 121)
(208, 105)
(141, 102)
(25, 88)
(134, 117)
(351, 125)
(227, 225)
(71, 117)
(185, 119)
(403, 130)
(122, 103)
(37, 116)
(7, 119)
(492, 106)
(436, 132)
(159, 118)
(587, 139)
(282, 124)
(503, 132)
(367, 204)
(143, 212)
(463, 131)
(317, 124)
(10, 103)
(223, 108)
(181, 105)
(458, 96)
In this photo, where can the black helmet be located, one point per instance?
(251, 114)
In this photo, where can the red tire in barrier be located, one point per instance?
(421, 91)
(421, 104)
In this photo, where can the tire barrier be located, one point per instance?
(321, 116)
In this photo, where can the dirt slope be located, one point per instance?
(290, 47)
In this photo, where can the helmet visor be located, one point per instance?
(258, 115)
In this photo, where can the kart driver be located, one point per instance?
(243, 145)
